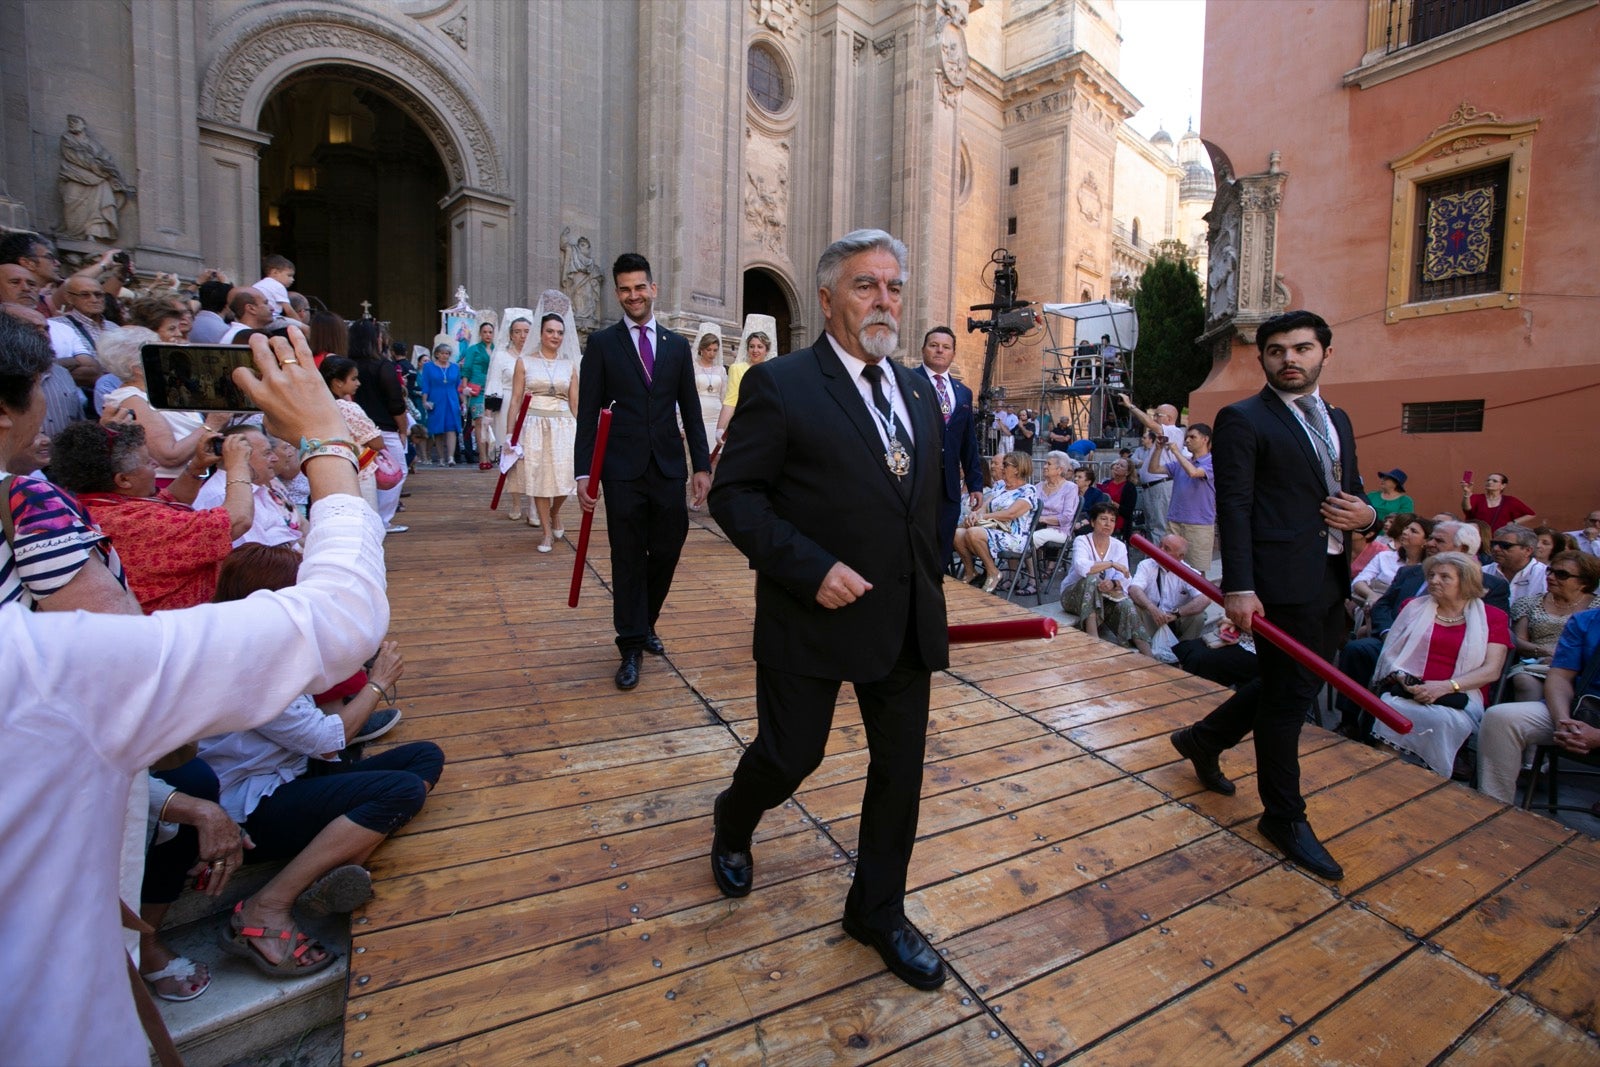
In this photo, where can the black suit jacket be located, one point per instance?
(644, 422)
(960, 438)
(802, 484)
(1270, 489)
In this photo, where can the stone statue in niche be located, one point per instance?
(581, 277)
(92, 188)
(766, 205)
(1222, 249)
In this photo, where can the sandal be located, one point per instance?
(339, 892)
(182, 969)
(236, 940)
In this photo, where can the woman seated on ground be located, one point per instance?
(1407, 533)
(1058, 500)
(1551, 541)
(1571, 579)
(1096, 588)
(1003, 526)
(284, 784)
(169, 435)
(1089, 495)
(169, 551)
(1121, 491)
(1445, 647)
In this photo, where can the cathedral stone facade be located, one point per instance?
(395, 150)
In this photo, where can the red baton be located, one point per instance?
(601, 433)
(516, 435)
(973, 633)
(1302, 655)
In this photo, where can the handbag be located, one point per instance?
(492, 402)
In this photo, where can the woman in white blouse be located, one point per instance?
(1096, 588)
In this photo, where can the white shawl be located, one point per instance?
(1406, 648)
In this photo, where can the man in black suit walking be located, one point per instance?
(830, 484)
(1288, 496)
(645, 370)
(960, 433)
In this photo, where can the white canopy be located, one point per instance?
(1099, 318)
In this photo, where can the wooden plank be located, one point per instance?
(977, 1042)
(1077, 1005)
(1564, 982)
(1245, 1010)
(1517, 1034)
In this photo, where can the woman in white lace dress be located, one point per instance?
(549, 378)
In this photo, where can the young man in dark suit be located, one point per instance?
(961, 461)
(1288, 496)
(645, 370)
(830, 484)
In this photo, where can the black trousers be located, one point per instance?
(949, 515)
(647, 520)
(1273, 707)
(794, 714)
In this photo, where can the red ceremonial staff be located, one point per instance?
(1006, 630)
(1302, 655)
(511, 452)
(601, 433)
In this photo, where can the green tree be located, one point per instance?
(1168, 364)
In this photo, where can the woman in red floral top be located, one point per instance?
(169, 551)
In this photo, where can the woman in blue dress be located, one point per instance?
(440, 382)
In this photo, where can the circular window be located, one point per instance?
(768, 86)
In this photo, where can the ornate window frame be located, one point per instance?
(782, 119)
(1468, 141)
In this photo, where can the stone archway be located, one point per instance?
(766, 292)
(260, 52)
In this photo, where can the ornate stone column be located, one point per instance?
(480, 244)
(1243, 286)
(230, 199)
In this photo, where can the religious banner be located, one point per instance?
(459, 323)
(1459, 227)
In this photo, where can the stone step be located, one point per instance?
(246, 1012)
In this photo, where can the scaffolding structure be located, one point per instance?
(1087, 362)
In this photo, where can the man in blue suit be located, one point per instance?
(961, 461)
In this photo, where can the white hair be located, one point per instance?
(852, 243)
(118, 349)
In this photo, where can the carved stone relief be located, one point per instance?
(1243, 287)
(456, 30)
(237, 72)
(581, 277)
(1090, 203)
(766, 193)
(951, 37)
(92, 188)
(782, 17)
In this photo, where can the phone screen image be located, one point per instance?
(196, 377)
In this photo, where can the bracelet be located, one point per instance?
(311, 446)
(247, 481)
(161, 816)
(338, 451)
(383, 694)
(1455, 686)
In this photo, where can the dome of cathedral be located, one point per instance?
(1197, 182)
(1162, 140)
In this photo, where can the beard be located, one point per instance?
(879, 346)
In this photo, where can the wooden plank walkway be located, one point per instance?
(553, 902)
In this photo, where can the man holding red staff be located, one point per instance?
(830, 483)
(1288, 498)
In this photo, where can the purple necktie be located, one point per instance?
(647, 355)
(945, 404)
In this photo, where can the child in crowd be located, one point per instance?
(275, 286)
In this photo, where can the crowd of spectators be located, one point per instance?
(237, 733)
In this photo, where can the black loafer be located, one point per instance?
(905, 952)
(1297, 842)
(733, 869)
(1206, 767)
(628, 673)
(653, 645)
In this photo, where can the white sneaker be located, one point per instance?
(394, 527)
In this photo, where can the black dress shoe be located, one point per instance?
(905, 952)
(653, 645)
(628, 673)
(733, 869)
(1297, 842)
(1206, 767)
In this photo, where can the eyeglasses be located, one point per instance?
(1592, 520)
(1563, 575)
(1504, 544)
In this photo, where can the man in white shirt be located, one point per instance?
(1512, 549)
(1155, 489)
(275, 522)
(250, 312)
(1165, 600)
(1588, 538)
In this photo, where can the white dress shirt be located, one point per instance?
(891, 389)
(1530, 580)
(1166, 591)
(91, 701)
